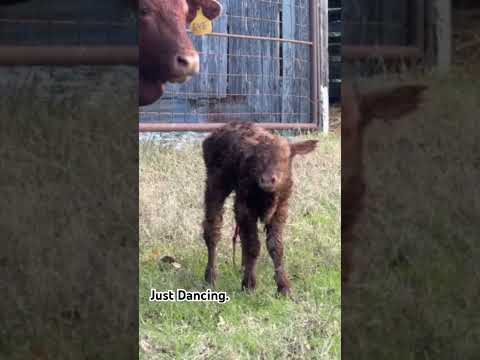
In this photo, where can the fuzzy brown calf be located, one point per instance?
(257, 165)
(357, 112)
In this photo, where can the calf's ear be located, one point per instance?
(392, 103)
(302, 148)
(210, 8)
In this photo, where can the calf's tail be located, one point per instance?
(234, 241)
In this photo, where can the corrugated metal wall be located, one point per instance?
(68, 22)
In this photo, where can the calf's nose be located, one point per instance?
(268, 181)
(186, 64)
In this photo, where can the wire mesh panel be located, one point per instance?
(255, 66)
(61, 22)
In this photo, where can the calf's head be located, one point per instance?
(271, 162)
(166, 52)
(358, 110)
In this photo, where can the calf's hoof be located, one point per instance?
(284, 291)
(210, 276)
(249, 284)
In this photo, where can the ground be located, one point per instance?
(63, 271)
(259, 325)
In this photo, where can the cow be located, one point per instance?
(257, 165)
(358, 110)
(166, 53)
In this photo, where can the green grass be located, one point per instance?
(416, 288)
(63, 274)
(250, 326)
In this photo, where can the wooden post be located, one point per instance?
(444, 34)
(323, 60)
(417, 14)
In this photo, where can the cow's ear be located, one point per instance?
(302, 148)
(392, 103)
(210, 8)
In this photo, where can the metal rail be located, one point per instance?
(68, 55)
(266, 38)
(353, 52)
(170, 127)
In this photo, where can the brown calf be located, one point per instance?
(257, 165)
(166, 52)
(357, 112)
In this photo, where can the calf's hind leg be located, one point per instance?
(215, 195)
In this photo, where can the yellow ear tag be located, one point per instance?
(201, 25)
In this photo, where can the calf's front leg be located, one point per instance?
(275, 247)
(247, 223)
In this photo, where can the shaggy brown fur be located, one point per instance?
(257, 165)
(357, 113)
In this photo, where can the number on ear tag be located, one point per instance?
(201, 25)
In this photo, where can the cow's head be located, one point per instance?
(166, 52)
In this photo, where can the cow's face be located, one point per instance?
(166, 52)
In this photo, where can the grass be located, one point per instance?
(63, 273)
(249, 326)
(416, 289)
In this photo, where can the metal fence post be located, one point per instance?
(314, 87)
(323, 66)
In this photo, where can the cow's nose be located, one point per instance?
(186, 64)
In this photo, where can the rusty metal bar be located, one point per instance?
(206, 127)
(68, 55)
(266, 38)
(387, 52)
